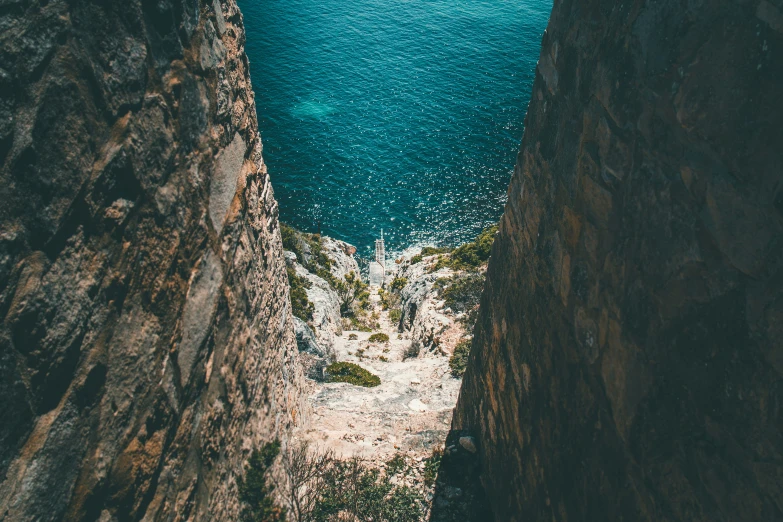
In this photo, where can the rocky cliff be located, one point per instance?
(146, 343)
(627, 362)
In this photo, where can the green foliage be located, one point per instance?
(353, 337)
(430, 251)
(359, 323)
(352, 374)
(395, 315)
(431, 466)
(398, 283)
(307, 247)
(389, 299)
(352, 491)
(300, 304)
(471, 255)
(396, 464)
(254, 493)
(459, 359)
(353, 295)
(379, 338)
(416, 259)
(467, 256)
(461, 292)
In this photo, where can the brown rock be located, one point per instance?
(650, 176)
(146, 343)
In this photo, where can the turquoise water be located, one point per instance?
(401, 115)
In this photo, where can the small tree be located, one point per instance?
(254, 493)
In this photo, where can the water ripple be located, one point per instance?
(404, 115)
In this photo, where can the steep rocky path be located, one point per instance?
(410, 411)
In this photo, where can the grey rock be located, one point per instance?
(224, 180)
(305, 339)
(468, 444)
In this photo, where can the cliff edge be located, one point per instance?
(146, 343)
(627, 361)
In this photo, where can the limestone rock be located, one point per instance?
(305, 339)
(628, 346)
(423, 314)
(341, 255)
(146, 343)
(326, 314)
(468, 444)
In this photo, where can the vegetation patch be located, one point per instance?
(431, 466)
(431, 251)
(462, 293)
(353, 337)
(416, 259)
(322, 488)
(379, 337)
(470, 255)
(255, 491)
(300, 304)
(398, 283)
(352, 374)
(395, 315)
(476, 253)
(459, 359)
(396, 465)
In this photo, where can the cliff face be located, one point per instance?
(627, 363)
(146, 345)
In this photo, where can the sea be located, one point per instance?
(401, 116)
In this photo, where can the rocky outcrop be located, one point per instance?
(627, 361)
(341, 255)
(146, 343)
(423, 316)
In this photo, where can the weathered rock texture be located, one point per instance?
(146, 343)
(628, 359)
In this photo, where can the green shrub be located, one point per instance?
(459, 359)
(379, 338)
(300, 304)
(353, 337)
(254, 493)
(358, 323)
(299, 243)
(352, 491)
(352, 374)
(416, 259)
(471, 255)
(353, 294)
(395, 315)
(396, 464)
(398, 283)
(431, 466)
(461, 292)
(430, 251)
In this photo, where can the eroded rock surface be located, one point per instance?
(626, 363)
(146, 343)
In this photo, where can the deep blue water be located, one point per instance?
(402, 115)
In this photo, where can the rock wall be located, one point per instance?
(627, 362)
(146, 343)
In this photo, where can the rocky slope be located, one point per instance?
(627, 362)
(147, 342)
